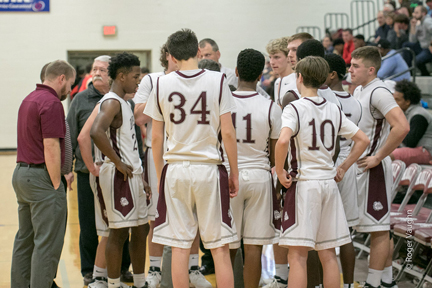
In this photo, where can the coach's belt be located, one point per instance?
(40, 166)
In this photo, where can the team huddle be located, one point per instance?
(226, 167)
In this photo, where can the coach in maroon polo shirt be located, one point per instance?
(41, 195)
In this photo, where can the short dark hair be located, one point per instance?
(89, 67)
(145, 70)
(402, 18)
(409, 90)
(43, 72)
(58, 68)
(209, 65)
(423, 9)
(368, 54)
(212, 43)
(163, 55)
(183, 44)
(303, 36)
(122, 62)
(314, 71)
(338, 41)
(250, 64)
(310, 47)
(384, 44)
(348, 30)
(360, 37)
(337, 64)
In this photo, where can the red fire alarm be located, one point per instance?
(109, 30)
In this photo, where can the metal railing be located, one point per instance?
(413, 67)
(363, 14)
(315, 31)
(335, 21)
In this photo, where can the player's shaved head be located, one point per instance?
(314, 71)
(183, 44)
(250, 64)
(300, 36)
(310, 47)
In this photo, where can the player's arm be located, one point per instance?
(140, 99)
(109, 109)
(400, 128)
(140, 118)
(230, 142)
(52, 157)
(157, 146)
(84, 141)
(281, 152)
(272, 157)
(361, 142)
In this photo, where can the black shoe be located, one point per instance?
(391, 285)
(126, 276)
(54, 285)
(367, 285)
(207, 269)
(88, 278)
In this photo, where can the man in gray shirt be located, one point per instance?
(420, 37)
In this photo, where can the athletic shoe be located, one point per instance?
(88, 278)
(126, 276)
(206, 269)
(154, 277)
(277, 282)
(99, 282)
(391, 285)
(197, 280)
(367, 285)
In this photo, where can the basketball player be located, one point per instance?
(193, 105)
(348, 186)
(313, 215)
(279, 61)
(374, 174)
(255, 209)
(121, 173)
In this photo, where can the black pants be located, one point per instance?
(88, 239)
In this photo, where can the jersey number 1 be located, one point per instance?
(248, 119)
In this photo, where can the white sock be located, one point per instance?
(113, 283)
(349, 285)
(193, 260)
(282, 271)
(99, 272)
(155, 261)
(139, 280)
(387, 276)
(374, 277)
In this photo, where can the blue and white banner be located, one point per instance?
(24, 5)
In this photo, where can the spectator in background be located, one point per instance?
(399, 34)
(328, 45)
(417, 145)
(347, 37)
(393, 65)
(420, 37)
(82, 84)
(338, 46)
(359, 41)
(381, 32)
(405, 8)
(392, 4)
(429, 7)
(389, 18)
(144, 71)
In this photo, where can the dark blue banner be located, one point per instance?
(24, 6)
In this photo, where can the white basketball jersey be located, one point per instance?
(191, 103)
(353, 111)
(376, 101)
(123, 140)
(315, 124)
(142, 95)
(324, 92)
(256, 120)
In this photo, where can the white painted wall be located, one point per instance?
(29, 40)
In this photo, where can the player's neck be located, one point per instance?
(190, 64)
(308, 92)
(246, 86)
(287, 72)
(117, 89)
(336, 86)
(368, 80)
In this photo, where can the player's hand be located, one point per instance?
(69, 180)
(413, 22)
(233, 185)
(147, 189)
(368, 162)
(95, 170)
(340, 173)
(285, 179)
(125, 169)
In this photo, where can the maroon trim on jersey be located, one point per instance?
(123, 201)
(224, 195)
(289, 208)
(157, 96)
(244, 96)
(191, 76)
(317, 104)
(276, 208)
(220, 146)
(340, 122)
(378, 128)
(298, 120)
(323, 87)
(113, 137)
(220, 88)
(161, 205)
(151, 81)
(294, 163)
(101, 201)
(342, 96)
(377, 205)
(269, 114)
